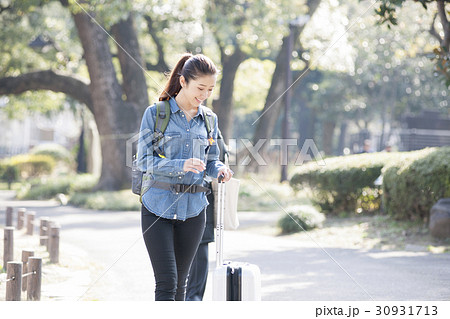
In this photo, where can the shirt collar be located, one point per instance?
(175, 108)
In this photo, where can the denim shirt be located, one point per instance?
(182, 140)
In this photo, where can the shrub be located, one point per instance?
(50, 187)
(120, 200)
(337, 186)
(300, 218)
(9, 173)
(45, 189)
(415, 182)
(56, 151)
(33, 165)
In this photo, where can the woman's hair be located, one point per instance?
(191, 67)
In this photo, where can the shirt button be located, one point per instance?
(187, 145)
(187, 130)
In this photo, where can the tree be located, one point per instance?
(116, 106)
(245, 29)
(265, 124)
(388, 11)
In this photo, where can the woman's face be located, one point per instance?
(198, 90)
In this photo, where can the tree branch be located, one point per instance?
(47, 80)
(433, 31)
(445, 24)
(161, 66)
(2, 8)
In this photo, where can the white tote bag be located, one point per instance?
(231, 221)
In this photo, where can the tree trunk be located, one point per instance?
(223, 107)
(115, 118)
(327, 136)
(131, 65)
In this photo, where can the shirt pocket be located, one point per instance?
(171, 145)
(200, 146)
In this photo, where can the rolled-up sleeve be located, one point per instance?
(213, 163)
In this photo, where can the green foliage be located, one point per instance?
(120, 200)
(32, 165)
(337, 185)
(387, 13)
(56, 151)
(300, 218)
(50, 187)
(415, 182)
(8, 173)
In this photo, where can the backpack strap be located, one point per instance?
(162, 116)
(162, 120)
(209, 122)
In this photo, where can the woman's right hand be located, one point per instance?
(194, 165)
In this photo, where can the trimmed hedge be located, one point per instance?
(415, 182)
(339, 184)
(32, 165)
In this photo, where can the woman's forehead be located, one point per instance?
(206, 80)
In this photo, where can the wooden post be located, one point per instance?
(44, 230)
(9, 216)
(8, 245)
(20, 217)
(30, 223)
(49, 226)
(34, 279)
(14, 281)
(54, 243)
(25, 255)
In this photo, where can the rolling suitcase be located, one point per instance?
(232, 281)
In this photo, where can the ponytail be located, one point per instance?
(191, 67)
(173, 85)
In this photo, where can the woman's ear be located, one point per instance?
(182, 81)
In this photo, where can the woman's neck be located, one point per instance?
(184, 104)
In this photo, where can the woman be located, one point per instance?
(173, 207)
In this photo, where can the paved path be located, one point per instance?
(291, 270)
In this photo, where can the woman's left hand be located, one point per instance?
(226, 172)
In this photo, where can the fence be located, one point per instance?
(27, 274)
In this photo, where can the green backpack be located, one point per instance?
(161, 123)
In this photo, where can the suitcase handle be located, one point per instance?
(220, 220)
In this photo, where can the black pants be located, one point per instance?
(198, 274)
(171, 245)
